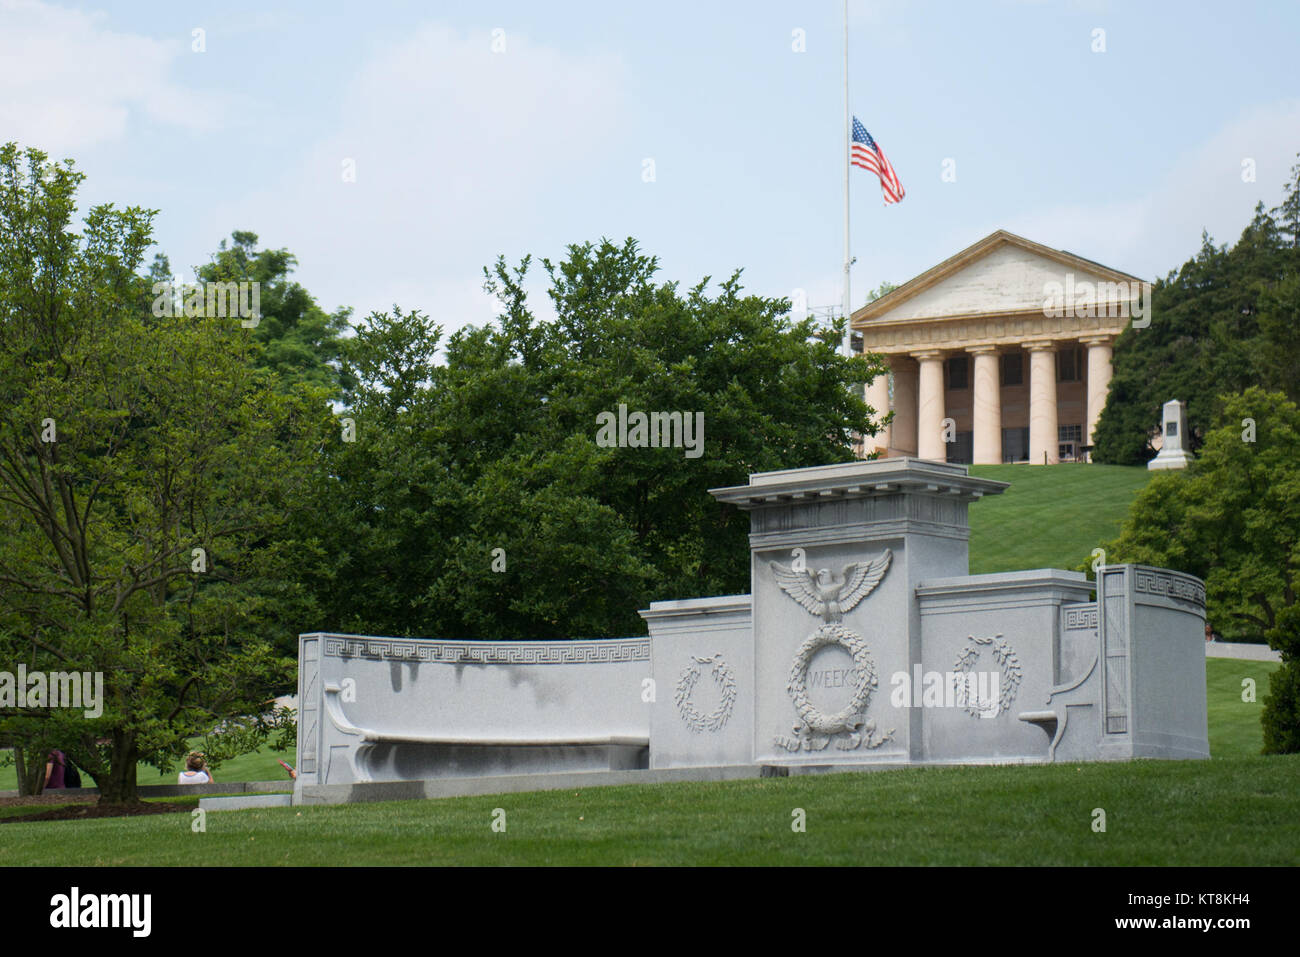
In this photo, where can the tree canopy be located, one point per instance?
(146, 471)
(477, 500)
(294, 337)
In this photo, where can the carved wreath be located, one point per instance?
(850, 717)
(726, 682)
(1011, 673)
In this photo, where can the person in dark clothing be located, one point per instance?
(55, 770)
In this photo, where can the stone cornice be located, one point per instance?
(1002, 329)
(857, 480)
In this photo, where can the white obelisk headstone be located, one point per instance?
(1173, 454)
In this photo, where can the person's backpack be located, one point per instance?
(71, 777)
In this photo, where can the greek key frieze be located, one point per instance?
(1080, 619)
(1155, 583)
(490, 653)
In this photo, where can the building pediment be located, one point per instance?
(1001, 275)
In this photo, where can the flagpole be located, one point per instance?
(848, 261)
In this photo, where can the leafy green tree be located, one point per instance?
(1279, 306)
(1226, 320)
(146, 471)
(1279, 323)
(884, 289)
(1233, 519)
(296, 338)
(476, 500)
(1287, 213)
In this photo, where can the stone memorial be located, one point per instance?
(1173, 454)
(864, 643)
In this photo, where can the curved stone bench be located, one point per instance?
(388, 709)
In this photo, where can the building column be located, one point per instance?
(902, 434)
(1099, 372)
(1043, 435)
(929, 412)
(986, 407)
(878, 398)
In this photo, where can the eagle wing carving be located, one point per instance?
(861, 579)
(801, 586)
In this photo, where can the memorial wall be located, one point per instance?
(864, 643)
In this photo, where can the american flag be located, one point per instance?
(868, 155)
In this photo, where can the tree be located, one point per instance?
(1279, 306)
(478, 500)
(884, 289)
(1226, 320)
(1233, 519)
(295, 337)
(146, 469)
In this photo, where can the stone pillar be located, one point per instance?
(902, 434)
(1043, 436)
(987, 407)
(905, 521)
(929, 412)
(878, 398)
(1099, 371)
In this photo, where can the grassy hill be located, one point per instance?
(1052, 516)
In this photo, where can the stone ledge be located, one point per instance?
(1241, 651)
(997, 582)
(245, 802)
(511, 784)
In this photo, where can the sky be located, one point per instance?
(397, 148)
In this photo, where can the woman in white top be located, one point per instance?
(195, 771)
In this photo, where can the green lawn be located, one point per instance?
(1232, 811)
(1234, 724)
(1052, 516)
(1236, 809)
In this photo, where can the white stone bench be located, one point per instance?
(386, 709)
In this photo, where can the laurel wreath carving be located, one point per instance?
(850, 717)
(723, 677)
(1007, 660)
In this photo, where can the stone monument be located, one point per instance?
(1173, 454)
(864, 643)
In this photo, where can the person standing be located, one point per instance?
(55, 770)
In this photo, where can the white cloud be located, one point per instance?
(1201, 189)
(70, 82)
(453, 145)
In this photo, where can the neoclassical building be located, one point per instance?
(1000, 354)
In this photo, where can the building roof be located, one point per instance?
(962, 260)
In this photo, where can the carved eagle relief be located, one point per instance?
(827, 595)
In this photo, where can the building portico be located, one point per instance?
(1000, 354)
